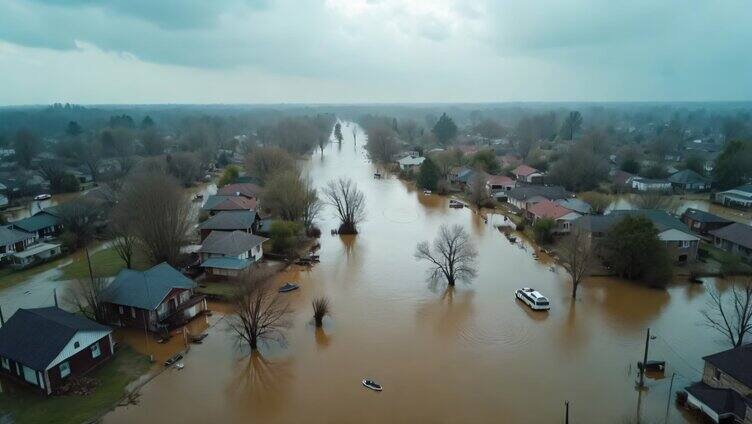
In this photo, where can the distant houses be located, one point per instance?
(524, 196)
(157, 299)
(410, 162)
(737, 197)
(689, 181)
(649, 184)
(723, 394)
(735, 238)
(547, 209)
(47, 347)
(527, 174)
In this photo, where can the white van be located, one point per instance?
(533, 299)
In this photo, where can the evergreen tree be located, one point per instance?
(445, 129)
(428, 175)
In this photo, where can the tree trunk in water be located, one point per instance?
(253, 343)
(574, 289)
(319, 322)
(450, 281)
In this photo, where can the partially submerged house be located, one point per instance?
(12, 241)
(523, 196)
(723, 394)
(34, 254)
(689, 181)
(218, 203)
(158, 299)
(227, 254)
(649, 184)
(737, 197)
(410, 162)
(702, 222)
(47, 347)
(246, 221)
(547, 209)
(574, 204)
(45, 223)
(499, 185)
(528, 174)
(735, 238)
(461, 176)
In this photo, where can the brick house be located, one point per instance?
(702, 222)
(46, 347)
(158, 299)
(723, 395)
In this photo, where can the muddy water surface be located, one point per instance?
(472, 354)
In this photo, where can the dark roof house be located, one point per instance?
(44, 346)
(689, 180)
(248, 190)
(703, 222)
(229, 221)
(218, 203)
(735, 238)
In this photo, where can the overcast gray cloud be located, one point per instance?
(373, 50)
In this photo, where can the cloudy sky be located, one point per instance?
(267, 51)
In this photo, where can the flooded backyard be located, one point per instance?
(472, 354)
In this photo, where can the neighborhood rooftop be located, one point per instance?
(229, 220)
(145, 289)
(736, 233)
(702, 216)
(230, 243)
(549, 192)
(242, 189)
(228, 203)
(35, 337)
(735, 362)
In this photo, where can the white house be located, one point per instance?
(410, 162)
(648, 184)
(229, 253)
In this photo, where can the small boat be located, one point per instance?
(198, 197)
(179, 366)
(552, 268)
(426, 192)
(535, 256)
(288, 287)
(377, 175)
(173, 360)
(44, 196)
(372, 385)
(653, 365)
(456, 204)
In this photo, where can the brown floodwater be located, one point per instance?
(471, 354)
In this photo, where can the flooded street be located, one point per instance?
(472, 354)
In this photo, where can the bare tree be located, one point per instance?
(159, 212)
(123, 234)
(53, 171)
(259, 312)
(78, 219)
(262, 162)
(731, 313)
(87, 295)
(349, 202)
(655, 200)
(321, 308)
(291, 196)
(382, 144)
(598, 202)
(577, 255)
(452, 255)
(479, 195)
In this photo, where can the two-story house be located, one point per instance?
(226, 254)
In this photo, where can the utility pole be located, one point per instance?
(644, 360)
(566, 416)
(2, 319)
(54, 295)
(668, 401)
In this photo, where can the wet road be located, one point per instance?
(472, 354)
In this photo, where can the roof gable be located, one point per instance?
(145, 289)
(230, 243)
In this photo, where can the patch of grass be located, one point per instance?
(104, 263)
(10, 277)
(731, 263)
(222, 289)
(29, 407)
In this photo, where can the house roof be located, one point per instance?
(35, 249)
(229, 220)
(499, 180)
(650, 180)
(576, 205)
(229, 203)
(735, 362)
(688, 176)
(37, 222)
(145, 289)
(702, 216)
(230, 243)
(743, 192)
(411, 160)
(549, 209)
(735, 233)
(597, 223)
(35, 337)
(721, 401)
(548, 192)
(661, 219)
(10, 236)
(226, 263)
(249, 190)
(524, 170)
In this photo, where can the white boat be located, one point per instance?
(287, 287)
(179, 366)
(426, 192)
(533, 299)
(372, 385)
(40, 197)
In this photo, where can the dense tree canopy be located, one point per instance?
(445, 129)
(633, 249)
(734, 165)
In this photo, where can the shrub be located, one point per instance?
(543, 230)
(283, 235)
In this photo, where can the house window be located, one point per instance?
(30, 375)
(717, 374)
(76, 345)
(6, 363)
(120, 310)
(64, 369)
(685, 244)
(95, 350)
(133, 312)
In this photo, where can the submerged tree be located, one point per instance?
(731, 313)
(88, 296)
(381, 144)
(655, 200)
(479, 194)
(633, 249)
(321, 309)
(291, 196)
(259, 312)
(338, 132)
(577, 255)
(349, 202)
(452, 255)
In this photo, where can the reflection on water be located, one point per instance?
(471, 354)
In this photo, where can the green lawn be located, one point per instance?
(10, 277)
(104, 263)
(112, 378)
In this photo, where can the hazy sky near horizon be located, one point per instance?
(267, 51)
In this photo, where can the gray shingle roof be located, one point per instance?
(702, 216)
(661, 219)
(37, 222)
(736, 233)
(145, 289)
(226, 263)
(597, 223)
(549, 192)
(721, 401)
(10, 236)
(35, 337)
(230, 243)
(229, 220)
(735, 362)
(688, 176)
